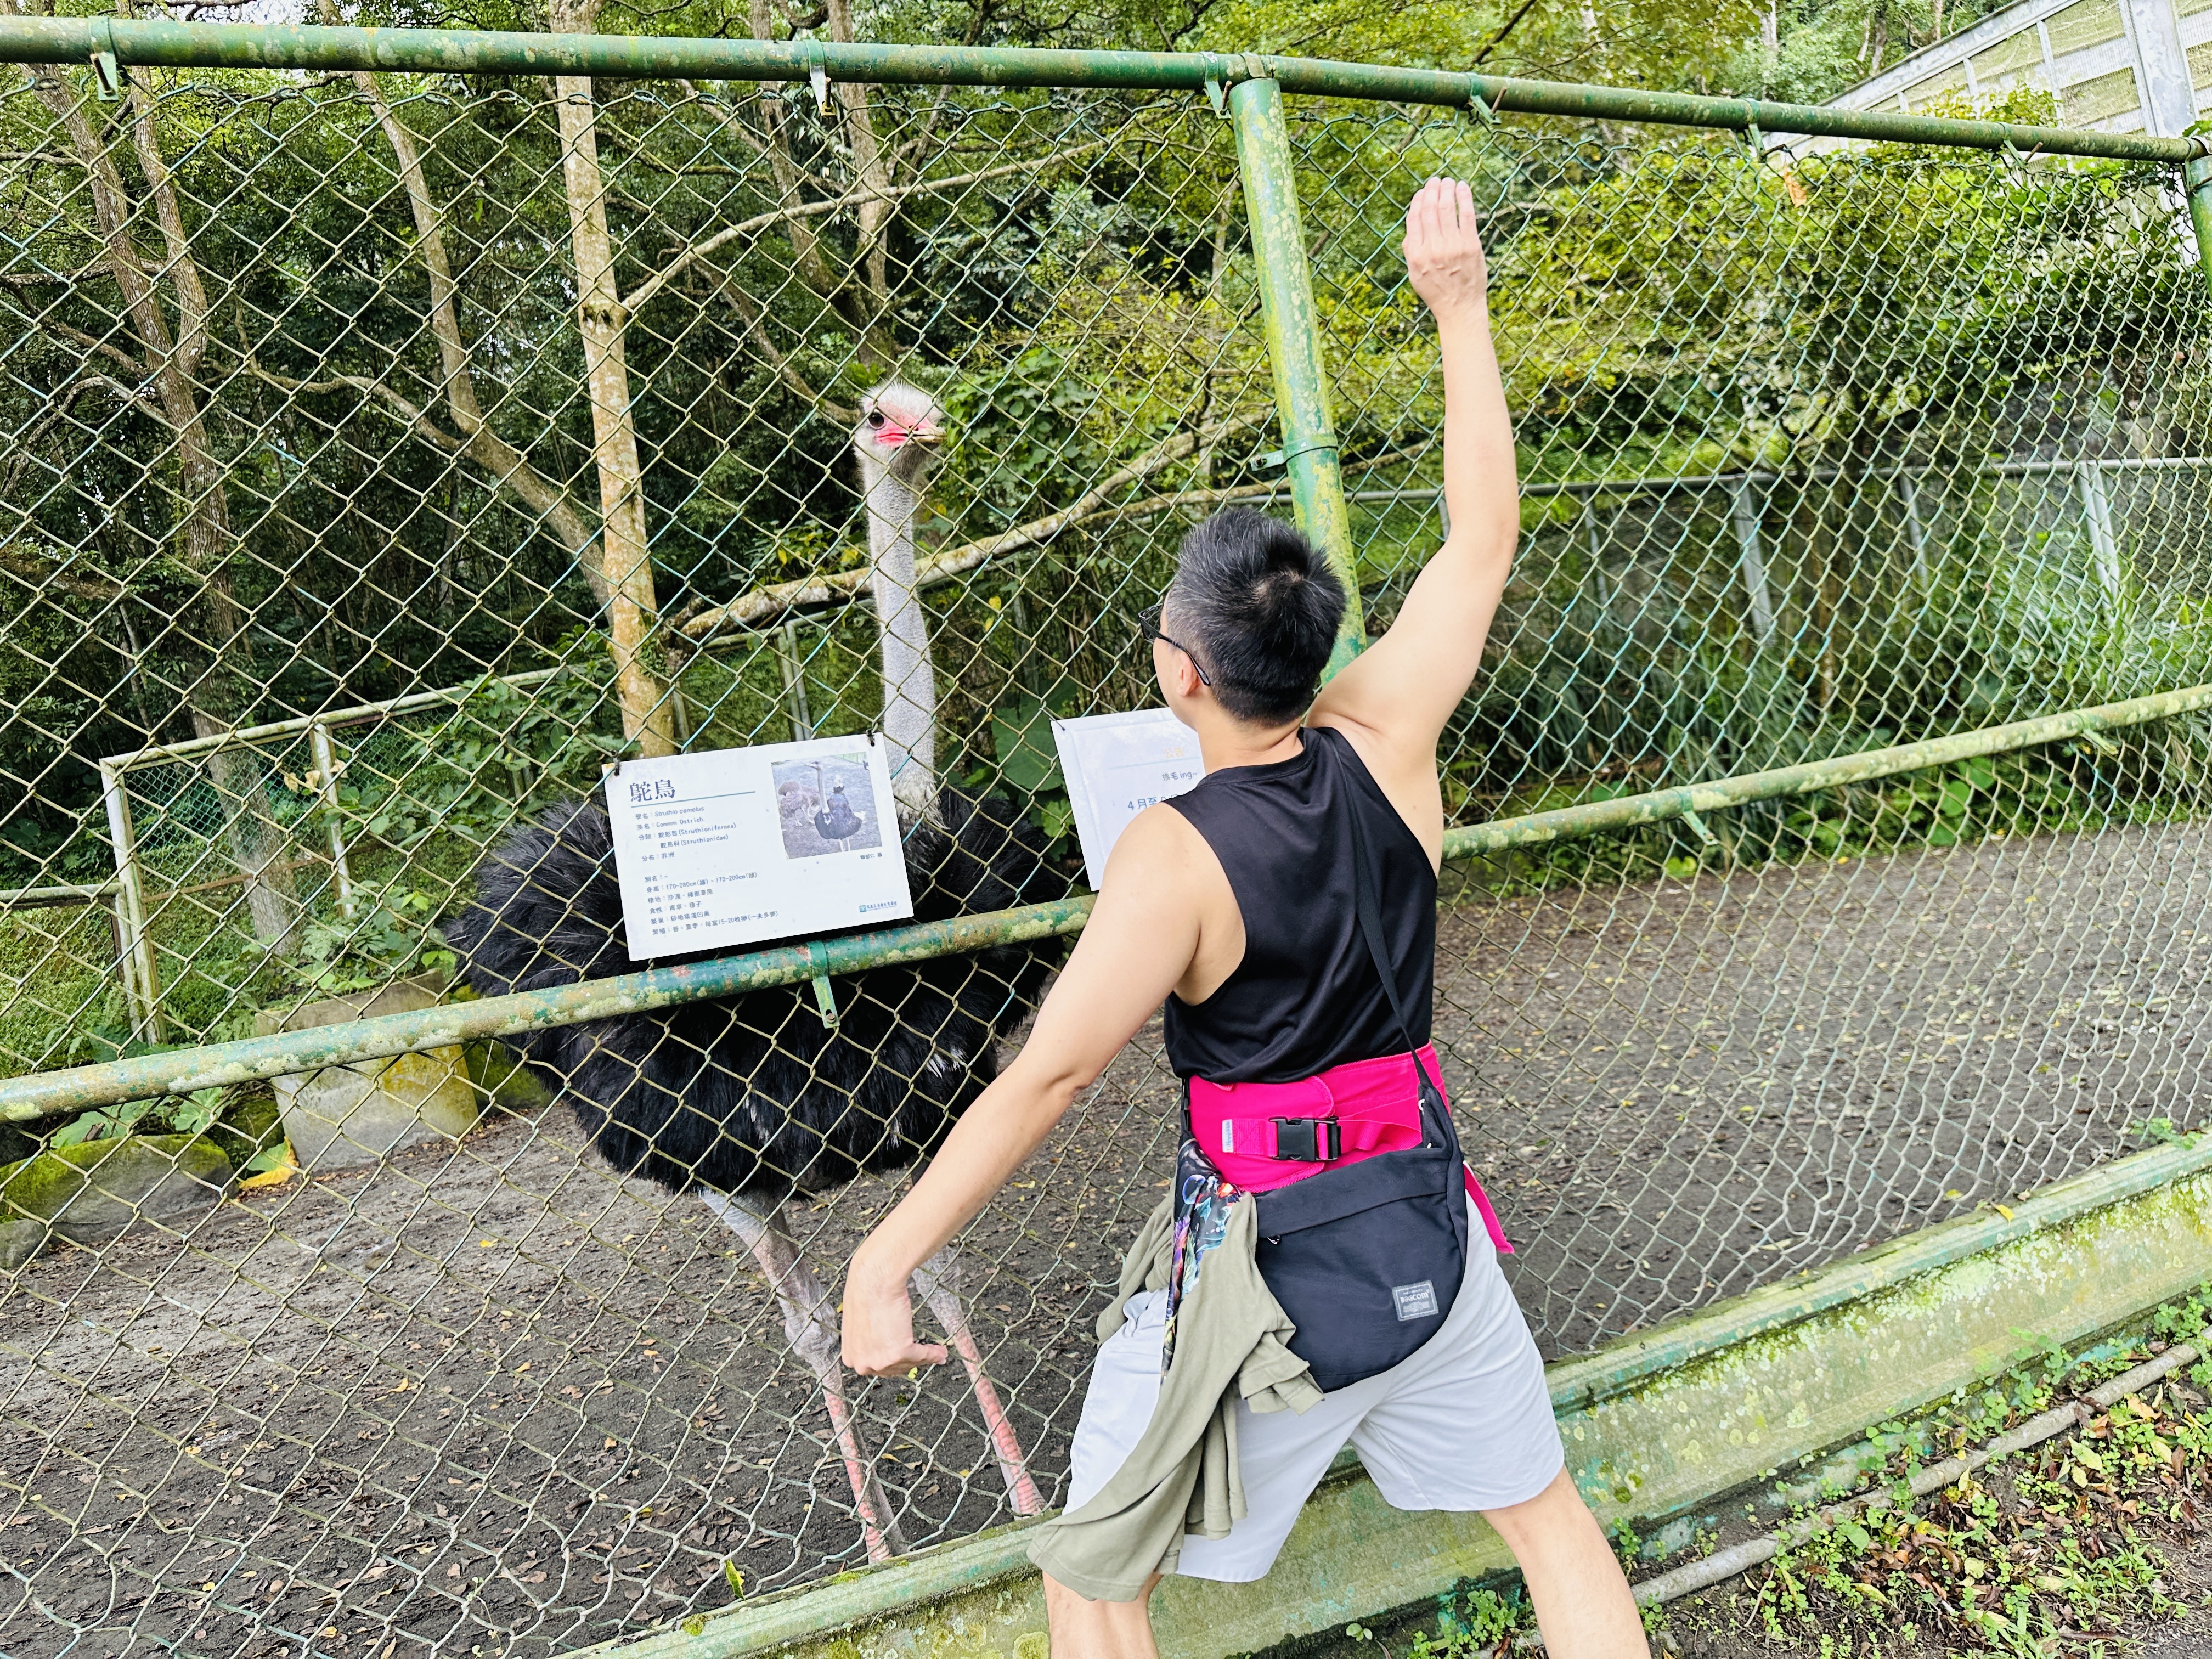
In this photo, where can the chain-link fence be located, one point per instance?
(388, 453)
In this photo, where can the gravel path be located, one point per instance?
(491, 1398)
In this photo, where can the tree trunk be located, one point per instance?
(225, 691)
(806, 254)
(870, 162)
(862, 311)
(648, 718)
(508, 468)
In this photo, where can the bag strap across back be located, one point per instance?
(1366, 888)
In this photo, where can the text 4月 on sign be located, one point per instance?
(1116, 765)
(734, 846)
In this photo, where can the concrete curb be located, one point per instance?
(1656, 1426)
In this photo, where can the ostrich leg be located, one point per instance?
(810, 1324)
(938, 1281)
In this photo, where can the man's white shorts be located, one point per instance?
(1465, 1423)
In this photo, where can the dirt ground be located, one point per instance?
(488, 1398)
(1724, 1623)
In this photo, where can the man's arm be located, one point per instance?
(1397, 694)
(1137, 943)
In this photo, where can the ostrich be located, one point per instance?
(755, 1101)
(899, 426)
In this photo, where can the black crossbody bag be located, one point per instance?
(1366, 1258)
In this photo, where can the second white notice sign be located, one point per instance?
(1116, 765)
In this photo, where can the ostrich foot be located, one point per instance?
(809, 1325)
(938, 1281)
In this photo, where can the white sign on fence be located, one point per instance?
(733, 845)
(1116, 765)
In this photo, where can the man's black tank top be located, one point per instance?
(1306, 996)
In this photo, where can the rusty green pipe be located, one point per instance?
(1292, 327)
(48, 1094)
(1629, 812)
(476, 51)
(2197, 180)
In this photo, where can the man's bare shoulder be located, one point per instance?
(1160, 856)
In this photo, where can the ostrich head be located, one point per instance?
(900, 425)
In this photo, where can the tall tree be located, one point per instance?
(633, 611)
(159, 337)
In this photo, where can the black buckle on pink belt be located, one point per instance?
(1307, 1140)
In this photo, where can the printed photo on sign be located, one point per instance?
(826, 805)
(737, 846)
(1117, 765)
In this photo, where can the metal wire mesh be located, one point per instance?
(319, 591)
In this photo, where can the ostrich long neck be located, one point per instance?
(910, 683)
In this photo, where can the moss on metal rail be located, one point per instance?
(484, 51)
(50, 1094)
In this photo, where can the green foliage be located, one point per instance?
(1025, 435)
(1476, 1622)
(503, 753)
(393, 935)
(191, 1115)
(2022, 1558)
(240, 1121)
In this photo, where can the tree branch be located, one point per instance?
(547, 501)
(507, 466)
(107, 349)
(652, 285)
(756, 330)
(43, 570)
(183, 270)
(766, 602)
(416, 418)
(129, 396)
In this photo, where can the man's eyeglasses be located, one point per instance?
(1148, 620)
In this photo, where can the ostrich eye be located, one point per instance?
(876, 419)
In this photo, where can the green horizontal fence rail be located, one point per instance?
(468, 51)
(27, 1099)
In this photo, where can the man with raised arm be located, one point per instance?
(1265, 908)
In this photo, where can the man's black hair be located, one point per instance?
(1259, 607)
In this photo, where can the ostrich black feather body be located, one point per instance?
(755, 1093)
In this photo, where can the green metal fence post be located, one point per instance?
(1293, 331)
(2197, 180)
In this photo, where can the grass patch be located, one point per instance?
(2065, 1550)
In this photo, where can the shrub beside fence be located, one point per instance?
(1826, 826)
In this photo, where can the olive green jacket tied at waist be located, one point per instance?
(1230, 1339)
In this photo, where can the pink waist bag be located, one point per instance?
(1365, 1107)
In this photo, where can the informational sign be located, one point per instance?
(732, 846)
(1116, 765)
